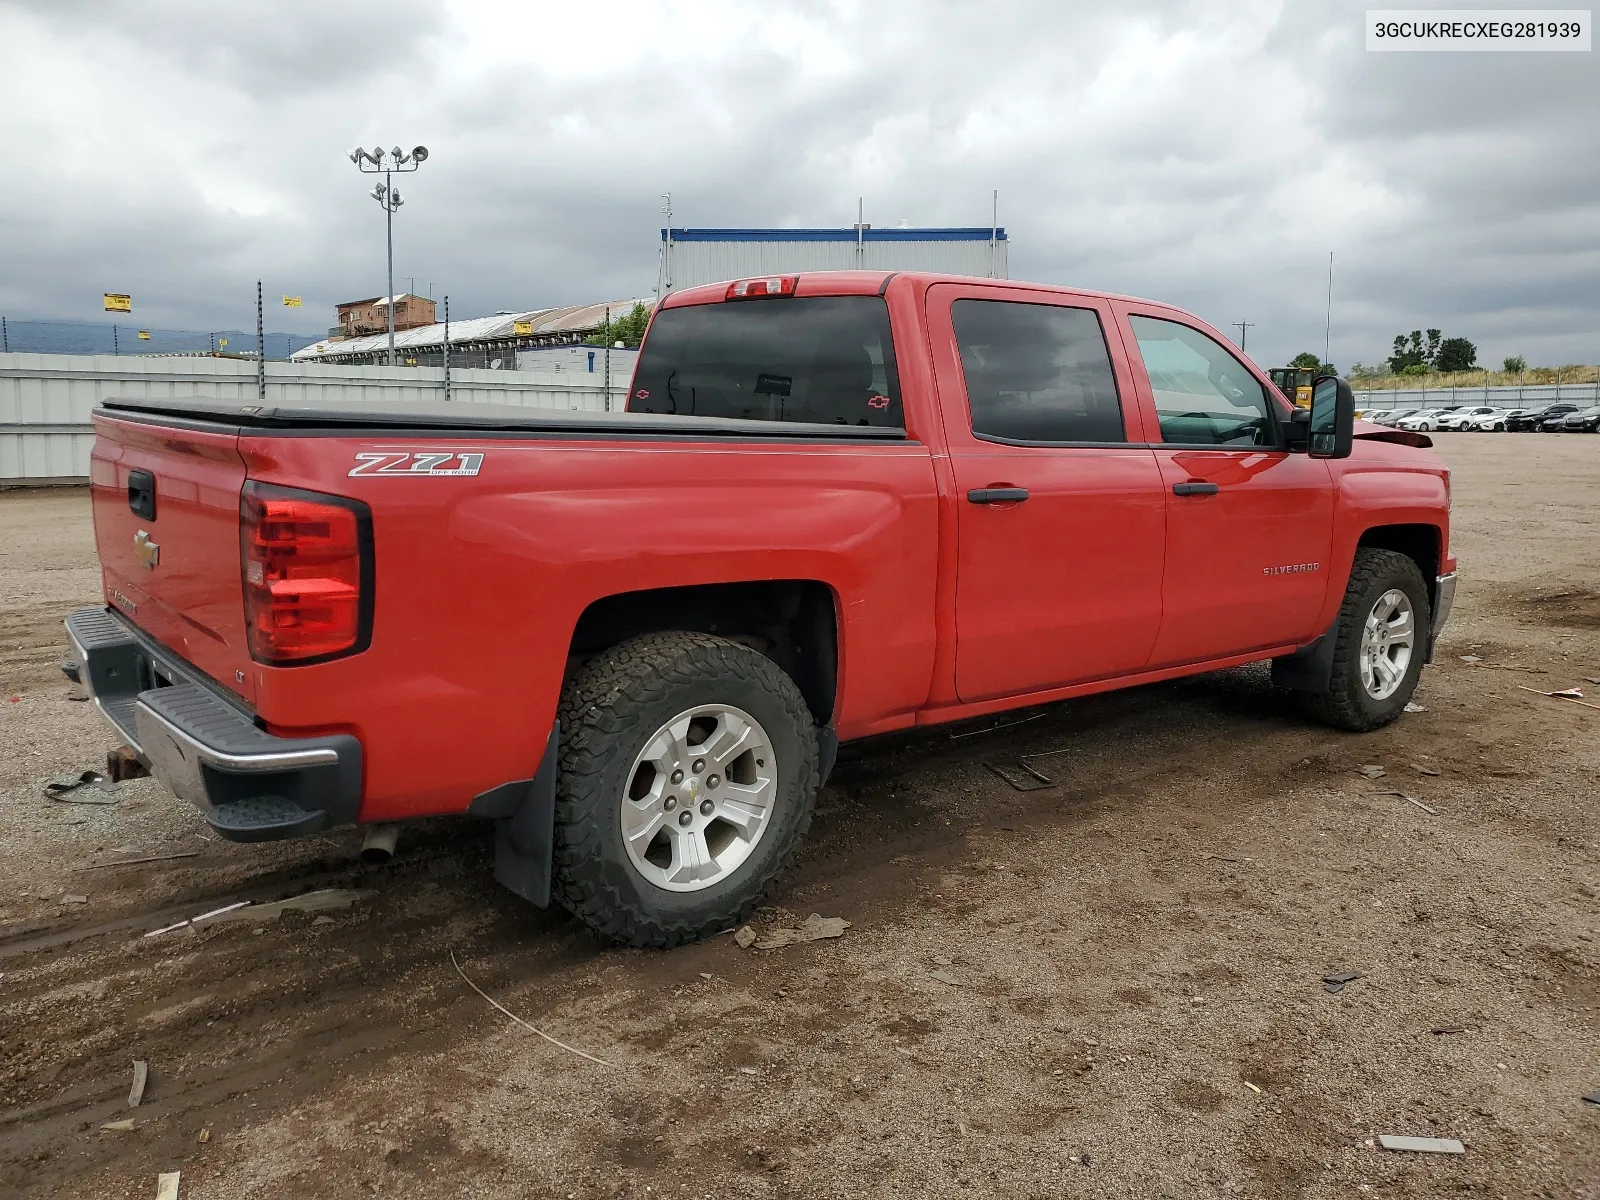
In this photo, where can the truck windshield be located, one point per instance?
(824, 359)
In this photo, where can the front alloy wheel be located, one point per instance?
(1388, 639)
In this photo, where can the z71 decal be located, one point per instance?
(410, 465)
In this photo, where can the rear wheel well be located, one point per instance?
(791, 621)
(1419, 543)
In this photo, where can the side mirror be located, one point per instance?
(1333, 418)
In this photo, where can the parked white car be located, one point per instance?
(1428, 419)
(1489, 422)
(1462, 418)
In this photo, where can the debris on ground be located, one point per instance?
(1593, 1097)
(89, 787)
(77, 693)
(126, 763)
(307, 902)
(1432, 812)
(167, 1185)
(141, 1076)
(1471, 658)
(941, 960)
(1334, 983)
(123, 1126)
(205, 916)
(1450, 1029)
(1252, 1087)
(1570, 695)
(745, 937)
(813, 928)
(993, 728)
(1022, 777)
(203, 1136)
(519, 1020)
(1372, 771)
(748, 1071)
(1422, 770)
(1421, 1145)
(133, 862)
(71, 899)
(946, 978)
(1413, 706)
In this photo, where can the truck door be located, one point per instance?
(1249, 524)
(1060, 509)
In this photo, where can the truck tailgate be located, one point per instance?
(166, 524)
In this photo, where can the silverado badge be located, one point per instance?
(149, 553)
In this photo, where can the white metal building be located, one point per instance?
(690, 257)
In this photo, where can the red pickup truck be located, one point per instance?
(840, 504)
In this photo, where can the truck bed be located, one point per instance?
(479, 418)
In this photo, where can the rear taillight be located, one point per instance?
(757, 289)
(307, 562)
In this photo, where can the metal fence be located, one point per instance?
(46, 399)
(129, 339)
(1531, 396)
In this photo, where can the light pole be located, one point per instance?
(386, 163)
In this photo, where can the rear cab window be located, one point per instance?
(825, 360)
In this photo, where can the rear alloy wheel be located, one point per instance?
(688, 774)
(1380, 643)
(699, 797)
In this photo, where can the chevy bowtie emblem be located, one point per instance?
(149, 553)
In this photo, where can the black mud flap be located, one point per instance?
(524, 831)
(1309, 669)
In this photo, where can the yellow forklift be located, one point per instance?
(1295, 383)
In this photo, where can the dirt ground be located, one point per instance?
(1128, 998)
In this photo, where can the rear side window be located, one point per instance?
(1036, 372)
(824, 359)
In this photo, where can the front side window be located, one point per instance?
(1204, 395)
(1036, 372)
(822, 359)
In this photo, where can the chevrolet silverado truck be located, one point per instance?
(838, 505)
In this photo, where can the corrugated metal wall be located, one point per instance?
(45, 399)
(706, 261)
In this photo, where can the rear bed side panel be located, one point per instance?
(191, 598)
(480, 581)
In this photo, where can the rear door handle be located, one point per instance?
(1195, 489)
(997, 495)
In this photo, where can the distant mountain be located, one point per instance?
(75, 337)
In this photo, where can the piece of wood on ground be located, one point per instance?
(1421, 1145)
(133, 862)
(1432, 812)
(1422, 770)
(167, 1185)
(1560, 696)
(1593, 1097)
(309, 902)
(123, 1126)
(531, 1028)
(141, 1076)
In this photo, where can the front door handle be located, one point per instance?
(1006, 495)
(1195, 489)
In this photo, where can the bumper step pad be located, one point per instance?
(264, 819)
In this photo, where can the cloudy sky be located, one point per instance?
(1210, 155)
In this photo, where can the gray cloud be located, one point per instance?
(1206, 155)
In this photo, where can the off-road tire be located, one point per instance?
(608, 709)
(1346, 704)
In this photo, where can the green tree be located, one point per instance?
(1414, 352)
(1514, 365)
(1310, 362)
(1455, 354)
(627, 329)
